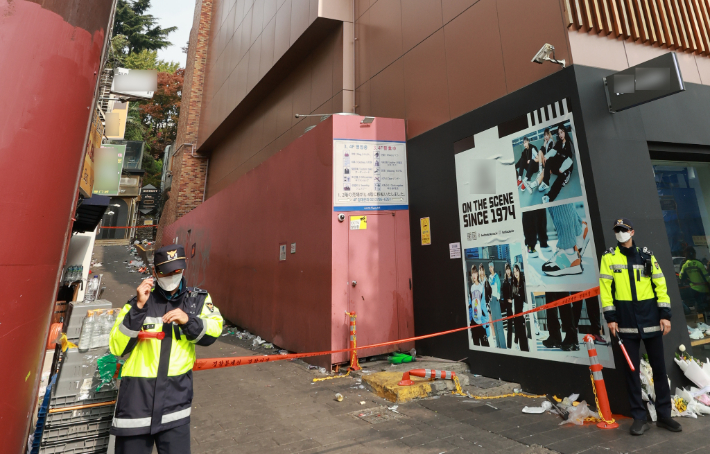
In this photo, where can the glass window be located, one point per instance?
(684, 192)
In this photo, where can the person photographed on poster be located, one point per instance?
(573, 238)
(527, 165)
(544, 150)
(534, 230)
(521, 336)
(506, 302)
(560, 162)
(477, 310)
(495, 306)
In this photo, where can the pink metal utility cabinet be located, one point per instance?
(319, 229)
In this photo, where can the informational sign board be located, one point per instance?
(426, 232)
(86, 184)
(282, 252)
(526, 241)
(358, 222)
(454, 250)
(108, 164)
(645, 82)
(369, 175)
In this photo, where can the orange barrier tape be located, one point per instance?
(217, 363)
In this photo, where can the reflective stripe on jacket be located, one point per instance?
(635, 301)
(156, 379)
(696, 273)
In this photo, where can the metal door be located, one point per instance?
(372, 267)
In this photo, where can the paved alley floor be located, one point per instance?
(276, 408)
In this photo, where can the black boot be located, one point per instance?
(669, 423)
(552, 342)
(639, 427)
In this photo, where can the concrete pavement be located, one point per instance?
(276, 408)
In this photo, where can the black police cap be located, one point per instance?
(623, 223)
(169, 258)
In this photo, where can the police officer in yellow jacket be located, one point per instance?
(155, 397)
(636, 307)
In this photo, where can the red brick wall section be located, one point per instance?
(189, 172)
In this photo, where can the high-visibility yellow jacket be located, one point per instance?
(695, 272)
(630, 297)
(156, 379)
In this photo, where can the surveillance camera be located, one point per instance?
(341, 217)
(547, 53)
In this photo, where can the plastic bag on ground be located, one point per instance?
(578, 414)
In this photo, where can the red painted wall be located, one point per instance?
(300, 303)
(49, 54)
(237, 233)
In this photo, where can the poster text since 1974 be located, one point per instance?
(488, 210)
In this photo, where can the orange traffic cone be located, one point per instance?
(426, 373)
(599, 387)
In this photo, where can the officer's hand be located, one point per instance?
(143, 292)
(175, 315)
(613, 327)
(665, 326)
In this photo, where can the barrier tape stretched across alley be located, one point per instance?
(217, 363)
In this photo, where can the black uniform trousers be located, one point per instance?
(535, 227)
(654, 349)
(171, 441)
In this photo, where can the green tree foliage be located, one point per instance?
(140, 29)
(153, 170)
(148, 59)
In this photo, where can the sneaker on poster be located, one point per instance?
(583, 239)
(545, 199)
(567, 176)
(551, 342)
(546, 248)
(523, 185)
(543, 187)
(569, 347)
(520, 180)
(532, 185)
(564, 262)
(532, 252)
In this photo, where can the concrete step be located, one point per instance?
(383, 379)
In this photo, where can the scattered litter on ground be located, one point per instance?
(546, 406)
(362, 402)
(268, 345)
(338, 397)
(393, 408)
(258, 341)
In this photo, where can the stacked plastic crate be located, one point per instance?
(79, 417)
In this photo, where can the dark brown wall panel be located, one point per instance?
(523, 31)
(420, 18)
(387, 91)
(452, 8)
(384, 40)
(471, 86)
(425, 86)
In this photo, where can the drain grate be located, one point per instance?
(376, 415)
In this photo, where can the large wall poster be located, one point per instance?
(527, 241)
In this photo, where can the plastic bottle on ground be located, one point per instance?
(87, 329)
(92, 287)
(96, 335)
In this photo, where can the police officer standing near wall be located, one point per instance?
(636, 307)
(155, 397)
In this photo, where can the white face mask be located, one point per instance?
(623, 237)
(170, 283)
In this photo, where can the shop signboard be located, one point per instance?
(645, 82)
(86, 184)
(150, 195)
(108, 164)
(369, 175)
(524, 247)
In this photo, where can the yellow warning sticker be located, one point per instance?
(358, 222)
(426, 233)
